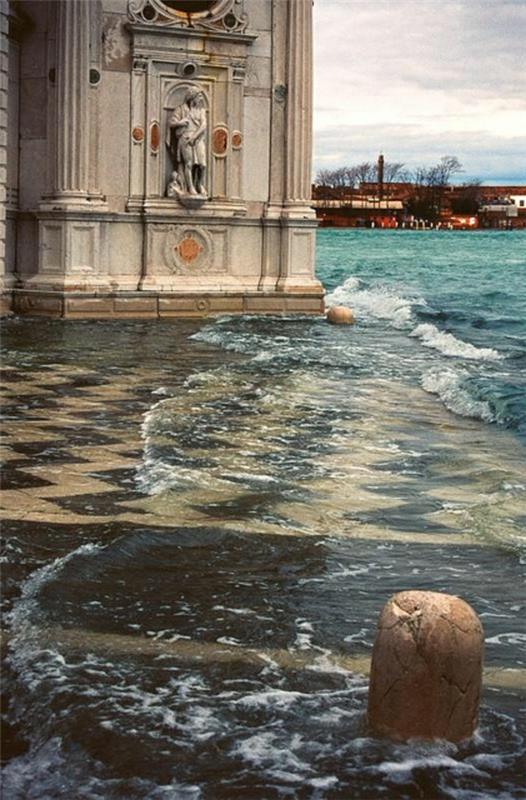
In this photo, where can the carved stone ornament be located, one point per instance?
(220, 141)
(155, 136)
(186, 140)
(226, 16)
(188, 250)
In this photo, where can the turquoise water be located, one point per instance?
(223, 508)
(462, 295)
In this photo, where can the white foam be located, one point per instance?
(449, 345)
(271, 698)
(401, 770)
(512, 637)
(266, 750)
(447, 384)
(379, 303)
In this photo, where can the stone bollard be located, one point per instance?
(340, 315)
(426, 669)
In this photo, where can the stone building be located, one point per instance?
(158, 157)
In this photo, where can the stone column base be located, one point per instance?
(137, 305)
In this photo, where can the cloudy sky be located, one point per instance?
(419, 79)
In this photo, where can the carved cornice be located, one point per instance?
(224, 16)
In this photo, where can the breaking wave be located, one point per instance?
(379, 302)
(449, 345)
(450, 388)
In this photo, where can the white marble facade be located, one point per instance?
(159, 157)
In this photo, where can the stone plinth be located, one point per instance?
(122, 305)
(426, 668)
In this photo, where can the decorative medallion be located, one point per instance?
(155, 137)
(220, 141)
(237, 140)
(212, 15)
(137, 134)
(189, 249)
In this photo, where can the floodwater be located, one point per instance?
(205, 518)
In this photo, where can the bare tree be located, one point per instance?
(324, 177)
(429, 187)
(337, 178)
(365, 172)
(393, 173)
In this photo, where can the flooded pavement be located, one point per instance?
(203, 521)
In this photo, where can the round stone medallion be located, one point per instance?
(189, 249)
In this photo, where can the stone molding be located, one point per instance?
(4, 27)
(154, 304)
(225, 16)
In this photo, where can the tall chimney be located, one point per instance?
(380, 176)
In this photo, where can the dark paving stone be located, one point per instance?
(103, 419)
(83, 436)
(12, 375)
(12, 411)
(99, 504)
(124, 477)
(44, 452)
(84, 381)
(30, 403)
(136, 454)
(14, 479)
(250, 504)
(37, 447)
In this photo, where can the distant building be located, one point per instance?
(386, 206)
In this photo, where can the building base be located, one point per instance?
(146, 304)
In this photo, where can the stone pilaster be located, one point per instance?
(72, 178)
(72, 101)
(299, 105)
(68, 217)
(4, 11)
(298, 218)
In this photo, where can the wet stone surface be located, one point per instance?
(198, 540)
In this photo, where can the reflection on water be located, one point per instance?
(199, 543)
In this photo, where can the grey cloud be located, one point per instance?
(489, 158)
(467, 53)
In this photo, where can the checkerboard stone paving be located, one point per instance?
(71, 441)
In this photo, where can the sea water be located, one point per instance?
(209, 638)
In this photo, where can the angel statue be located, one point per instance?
(186, 141)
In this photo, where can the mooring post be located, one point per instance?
(340, 315)
(426, 669)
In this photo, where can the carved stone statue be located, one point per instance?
(186, 141)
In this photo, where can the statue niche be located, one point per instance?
(186, 139)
